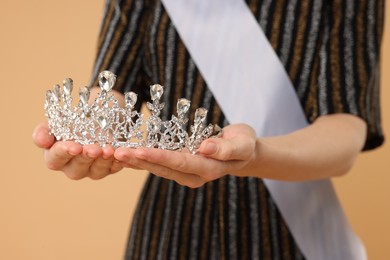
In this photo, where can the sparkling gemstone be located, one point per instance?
(154, 125)
(103, 122)
(156, 91)
(68, 85)
(84, 95)
(106, 80)
(48, 96)
(48, 100)
(200, 115)
(183, 105)
(130, 99)
(56, 92)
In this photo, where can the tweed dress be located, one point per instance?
(330, 50)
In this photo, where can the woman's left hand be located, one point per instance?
(215, 158)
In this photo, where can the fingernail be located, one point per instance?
(210, 148)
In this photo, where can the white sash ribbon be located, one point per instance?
(252, 86)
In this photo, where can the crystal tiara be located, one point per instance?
(105, 122)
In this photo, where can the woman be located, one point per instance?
(330, 50)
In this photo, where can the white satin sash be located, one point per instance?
(251, 86)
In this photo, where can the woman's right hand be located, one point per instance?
(75, 160)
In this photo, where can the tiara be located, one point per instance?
(105, 122)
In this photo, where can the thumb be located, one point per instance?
(220, 149)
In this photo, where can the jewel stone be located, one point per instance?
(154, 125)
(156, 91)
(56, 92)
(131, 99)
(183, 105)
(200, 115)
(103, 122)
(48, 96)
(106, 80)
(84, 95)
(68, 86)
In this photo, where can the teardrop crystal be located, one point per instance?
(200, 115)
(107, 80)
(84, 95)
(48, 100)
(103, 122)
(68, 86)
(56, 93)
(130, 99)
(48, 96)
(156, 91)
(183, 105)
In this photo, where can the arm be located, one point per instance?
(325, 149)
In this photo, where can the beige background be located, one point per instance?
(46, 216)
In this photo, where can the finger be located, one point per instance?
(61, 153)
(128, 165)
(108, 152)
(207, 168)
(185, 179)
(231, 149)
(41, 136)
(123, 155)
(104, 165)
(100, 168)
(79, 166)
(117, 166)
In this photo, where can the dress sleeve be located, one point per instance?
(120, 43)
(349, 63)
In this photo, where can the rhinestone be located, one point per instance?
(156, 91)
(56, 92)
(130, 99)
(154, 125)
(183, 105)
(200, 115)
(103, 122)
(84, 95)
(68, 86)
(48, 96)
(106, 80)
(48, 102)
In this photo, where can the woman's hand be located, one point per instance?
(216, 157)
(326, 148)
(75, 160)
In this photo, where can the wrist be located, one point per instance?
(272, 159)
